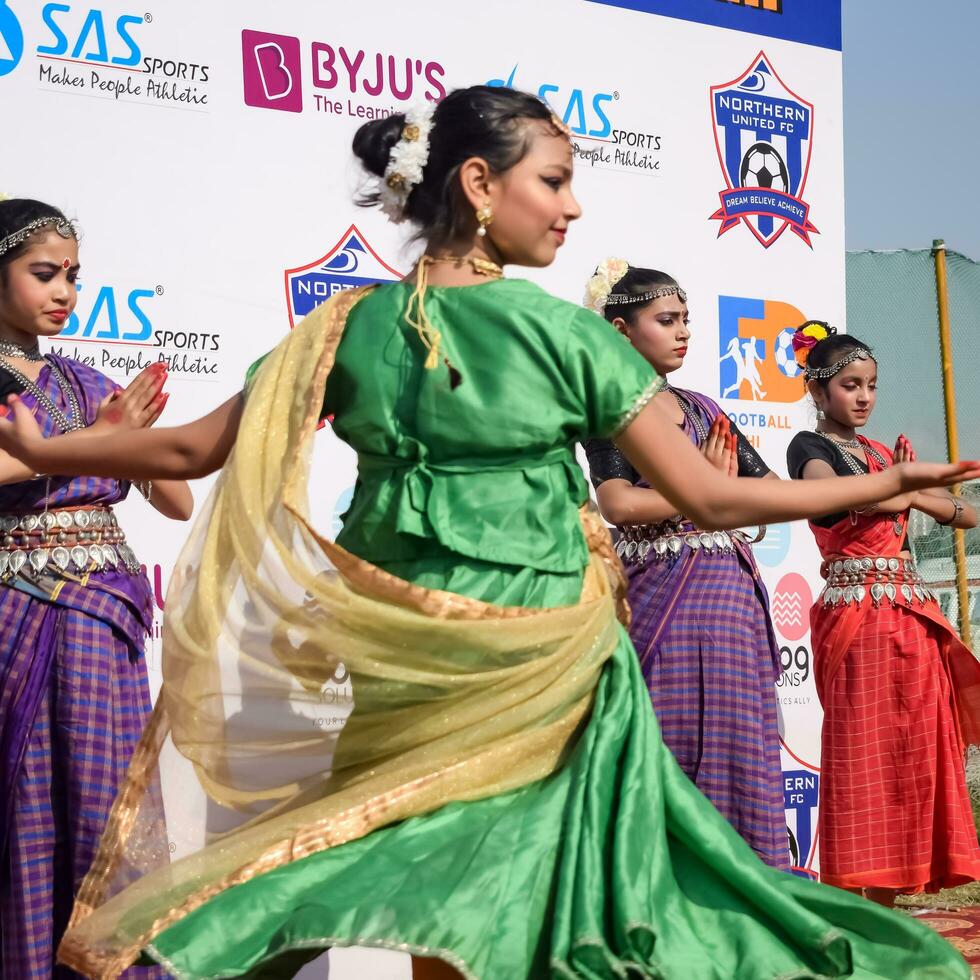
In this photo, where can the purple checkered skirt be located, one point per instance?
(73, 701)
(701, 629)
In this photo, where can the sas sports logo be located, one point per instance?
(764, 136)
(350, 263)
(755, 350)
(11, 40)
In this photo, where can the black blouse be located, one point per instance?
(808, 445)
(9, 385)
(606, 462)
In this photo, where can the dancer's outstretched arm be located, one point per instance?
(668, 461)
(185, 452)
(654, 445)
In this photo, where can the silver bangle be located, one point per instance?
(957, 510)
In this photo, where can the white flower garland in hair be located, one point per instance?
(406, 161)
(608, 273)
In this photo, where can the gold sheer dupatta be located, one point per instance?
(309, 697)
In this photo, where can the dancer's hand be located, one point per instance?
(904, 453)
(138, 407)
(717, 448)
(922, 476)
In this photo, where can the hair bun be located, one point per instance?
(374, 140)
(807, 336)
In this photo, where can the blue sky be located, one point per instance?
(912, 123)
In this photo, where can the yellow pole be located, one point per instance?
(952, 442)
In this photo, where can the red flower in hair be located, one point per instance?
(807, 337)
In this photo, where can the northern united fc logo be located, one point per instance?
(350, 263)
(764, 136)
(801, 797)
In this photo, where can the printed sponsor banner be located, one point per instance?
(816, 22)
(205, 151)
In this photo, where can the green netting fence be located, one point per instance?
(892, 304)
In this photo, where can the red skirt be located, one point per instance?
(894, 807)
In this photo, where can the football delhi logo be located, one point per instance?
(350, 263)
(763, 133)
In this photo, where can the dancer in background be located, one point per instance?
(900, 692)
(75, 607)
(700, 610)
(499, 803)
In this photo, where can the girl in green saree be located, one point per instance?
(499, 802)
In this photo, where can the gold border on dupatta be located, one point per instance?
(360, 820)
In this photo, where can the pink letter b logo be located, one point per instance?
(271, 71)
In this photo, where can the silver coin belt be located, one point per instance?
(641, 542)
(851, 580)
(82, 540)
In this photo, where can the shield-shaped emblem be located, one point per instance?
(764, 136)
(350, 263)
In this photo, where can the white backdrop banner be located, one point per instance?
(205, 150)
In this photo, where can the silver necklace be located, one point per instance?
(855, 466)
(67, 423)
(10, 349)
(690, 414)
(849, 458)
(848, 443)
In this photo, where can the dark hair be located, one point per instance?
(480, 121)
(17, 213)
(636, 282)
(831, 349)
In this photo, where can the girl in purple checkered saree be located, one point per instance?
(701, 623)
(75, 606)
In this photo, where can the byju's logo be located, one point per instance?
(755, 348)
(350, 263)
(763, 133)
(344, 81)
(272, 71)
(11, 40)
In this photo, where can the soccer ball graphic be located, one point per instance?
(785, 358)
(762, 166)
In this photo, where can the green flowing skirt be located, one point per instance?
(615, 866)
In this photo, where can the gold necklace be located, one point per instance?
(482, 267)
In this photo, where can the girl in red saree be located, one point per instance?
(900, 692)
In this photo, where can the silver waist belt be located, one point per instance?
(83, 540)
(638, 543)
(852, 580)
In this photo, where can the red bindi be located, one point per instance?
(66, 264)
